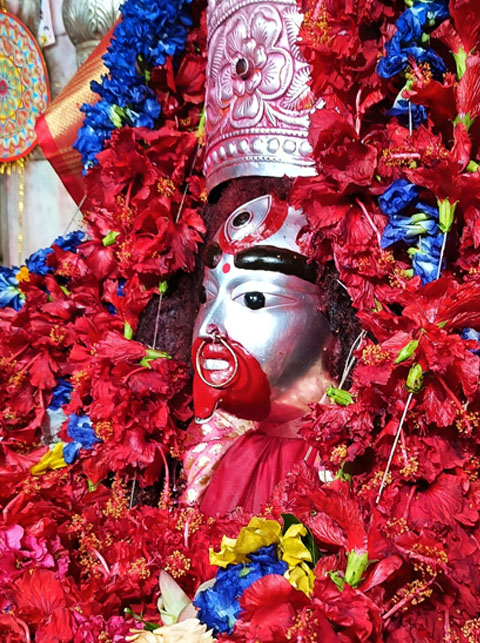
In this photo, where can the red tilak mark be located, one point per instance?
(226, 268)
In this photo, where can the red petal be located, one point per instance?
(468, 92)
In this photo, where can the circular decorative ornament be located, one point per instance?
(24, 92)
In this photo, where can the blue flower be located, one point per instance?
(409, 28)
(430, 14)
(470, 333)
(430, 210)
(70, 241)
(407, 228)
(80, 429)
(405, 111)
(408, 40)
(426, 256)
(219, 605)
(395, 201)
(423, 55)
(97, 127)
(397, 197)
(420, 227)
(150, 30)
(394, 61)
(37, 262)
(10, 293)
(61, 394)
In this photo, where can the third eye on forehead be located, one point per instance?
(269, 258)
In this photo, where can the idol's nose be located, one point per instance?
(213, 329)
(210, 322)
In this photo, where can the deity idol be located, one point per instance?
(262, 347)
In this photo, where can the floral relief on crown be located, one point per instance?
(257, 95)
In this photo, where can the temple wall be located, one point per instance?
(48, 208)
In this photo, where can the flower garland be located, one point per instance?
(386, 552)
(148, 33)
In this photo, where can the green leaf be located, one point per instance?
(148, 625)
(407, 351)
(110, 238)
(91, 485)
(151, 354)
(154, 354)
(415, 378)
(127, 331)
(117, 115)
(343, 476)
(472, 166)
(288, 521)
(356, 565)
(337, 579)
(339, 396)
(461, 61)
(200, 133)
(465, 119)
(145, 362)
(163, 287)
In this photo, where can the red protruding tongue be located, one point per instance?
(205, 399)
(247, 396)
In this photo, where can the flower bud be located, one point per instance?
(339, 396)
(407, 351)
(415, 378)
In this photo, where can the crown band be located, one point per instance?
(258, 101)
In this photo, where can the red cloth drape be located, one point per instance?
(249, 471)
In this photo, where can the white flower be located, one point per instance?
(189, 631)
(173, 600)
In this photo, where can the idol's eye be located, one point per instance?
(254, 300)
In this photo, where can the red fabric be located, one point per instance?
(57, 129)
(249, 471)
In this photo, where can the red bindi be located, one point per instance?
(226, 268)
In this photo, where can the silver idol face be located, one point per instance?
(261, 346)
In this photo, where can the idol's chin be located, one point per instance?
(244, 404)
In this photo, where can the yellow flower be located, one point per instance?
(53, 459)
(296, 555)
(189, 631)
(262, 533)
(258, 533)
(292, 548)
(301, 577)
(23, 274)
